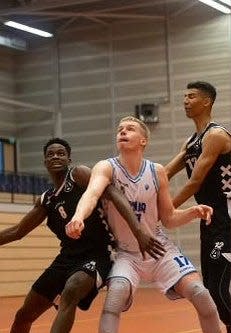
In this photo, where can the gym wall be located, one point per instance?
(103, 73)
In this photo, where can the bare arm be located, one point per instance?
(29, 222)
(172, 217)
(177, 163)
(214, 144)
(100, 178)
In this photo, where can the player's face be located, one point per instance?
(56, 158)
(130, 136)
(195, 103)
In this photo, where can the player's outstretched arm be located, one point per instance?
(172, 217)
(100, 178)
(29, 222)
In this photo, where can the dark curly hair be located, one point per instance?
(62, 142)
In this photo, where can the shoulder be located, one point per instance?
(161, 173)
(216, 141)
(103, 169)
(159, 167)
(160, 170)
(217, 130)
(40, 201)
(103, 164)
(80, 174)
(217, 135)
(79, 171)
(40, 205)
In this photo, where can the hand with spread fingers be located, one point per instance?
(147, 243)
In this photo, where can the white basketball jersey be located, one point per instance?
(141, 192)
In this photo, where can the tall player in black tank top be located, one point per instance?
(206, 155)
(82, 265)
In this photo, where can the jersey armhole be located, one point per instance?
(154, 176)
(71, 176)
(42, 197)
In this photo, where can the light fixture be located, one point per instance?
(28, 29)
(226, 2)
(217, 6)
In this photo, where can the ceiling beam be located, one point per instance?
(25, 105)
(96, 15)
(184, 8)
(62, 4)
(49, 5)
(139, 4)
(96, 20)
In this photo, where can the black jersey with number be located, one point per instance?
(60, 205)
(216, 188)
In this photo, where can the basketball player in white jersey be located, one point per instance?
(146, 186)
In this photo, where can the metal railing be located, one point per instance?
(22, 187)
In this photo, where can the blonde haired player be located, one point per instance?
(145, 185)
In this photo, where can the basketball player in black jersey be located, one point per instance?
(82, 265)
(206, 155)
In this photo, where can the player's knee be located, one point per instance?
(118, 294)
(200, 297)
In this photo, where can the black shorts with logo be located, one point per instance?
(216, 272)
(52, 281)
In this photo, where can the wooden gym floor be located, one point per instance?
(150, 313)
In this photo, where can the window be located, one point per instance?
(8, 160)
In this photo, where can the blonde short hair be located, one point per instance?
(140, 122)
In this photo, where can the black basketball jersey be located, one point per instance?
(216, 188)
(61, 205)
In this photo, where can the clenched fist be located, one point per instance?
(74, 228)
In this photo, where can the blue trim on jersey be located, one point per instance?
(154, 174)
(111, 161)
(115, 160)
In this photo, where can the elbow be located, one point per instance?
(168, 173)
(167, 224)
(18, 237)
(17, 234)
(195, 185)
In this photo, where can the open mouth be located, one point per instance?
(56, 165)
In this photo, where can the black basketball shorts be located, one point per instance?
(52, 281)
